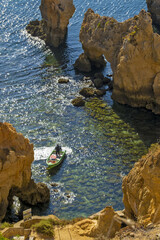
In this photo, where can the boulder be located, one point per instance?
(16, 157)
(141, 188)
(100, 92)
(98, 82)
(83, 64)
(63, 80)
(87, 92)
(78, 102)
(133, 50)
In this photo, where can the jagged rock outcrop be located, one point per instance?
(134, 53)
(141, 188)
(55, 18)
(16, 156)
(104, 226)
(154, 9)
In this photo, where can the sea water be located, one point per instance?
(102, 139)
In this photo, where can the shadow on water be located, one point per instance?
(145, 123)
(62, 54)
(55, 170)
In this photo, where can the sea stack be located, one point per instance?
(55, 18)
(56, 15)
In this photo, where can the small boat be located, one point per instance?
(53, 161)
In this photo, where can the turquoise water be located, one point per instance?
(102, 139)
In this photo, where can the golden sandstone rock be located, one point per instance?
(133, 50)
(141, 188)
(105, 225)
(16, 156)
(55, 18)
(56, 15)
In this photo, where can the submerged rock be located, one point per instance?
(83, 64)
(54, 184)
(87, 92)
(16, 157)
(133, 50)
(78, 102)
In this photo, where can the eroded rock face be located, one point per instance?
(105, 226)
(16, 156)
(134, 53)
(141, 188)
(154, 9)
(56, 15)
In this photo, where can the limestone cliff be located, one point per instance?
(16, 156)
(141, 188)
(55, 18)
(154, 9)
(134, 53)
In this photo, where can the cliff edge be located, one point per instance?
(16, 156)
(141, 189)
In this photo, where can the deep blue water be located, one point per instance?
(102, 139)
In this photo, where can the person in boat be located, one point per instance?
(58, 149)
